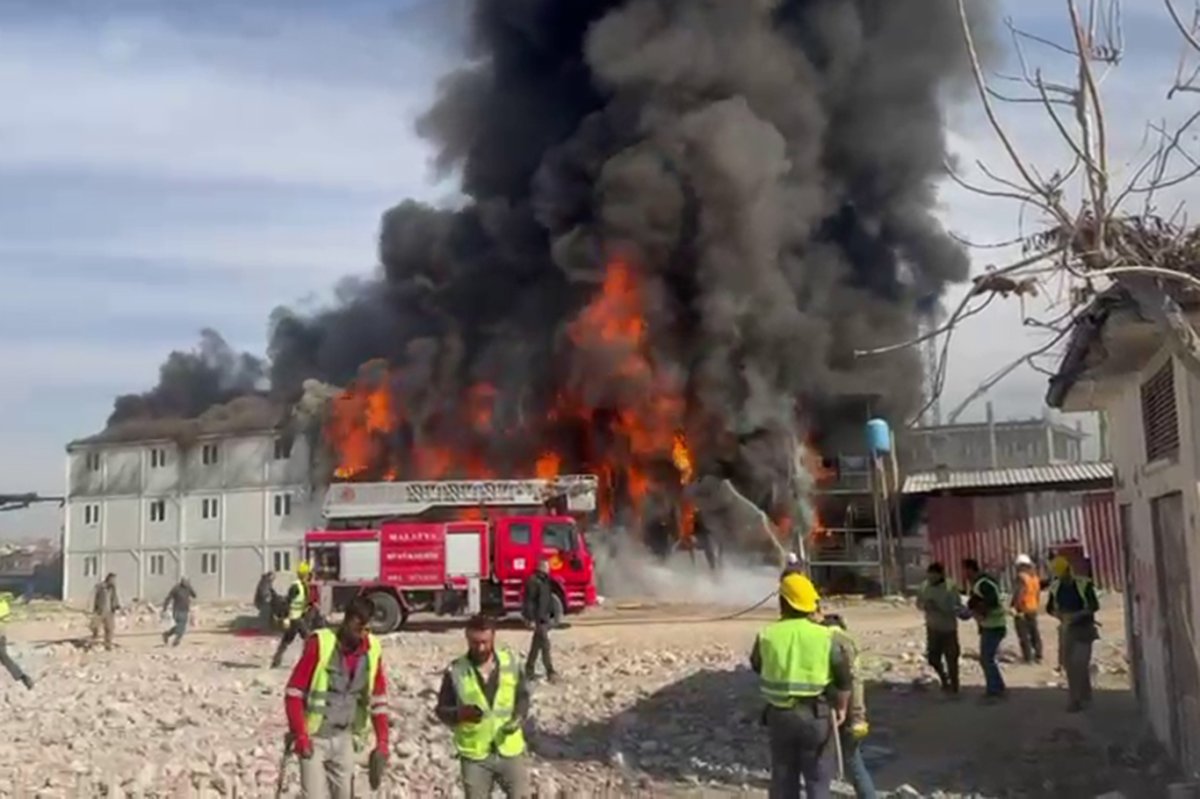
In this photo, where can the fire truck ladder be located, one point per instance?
(22, 501)
(366, 500)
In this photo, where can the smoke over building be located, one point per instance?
(682, 217)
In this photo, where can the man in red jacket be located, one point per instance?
(337, 689)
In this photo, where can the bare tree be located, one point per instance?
(1091, 227)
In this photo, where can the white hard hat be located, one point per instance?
(1024, 560)
(792, 557)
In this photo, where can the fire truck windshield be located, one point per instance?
(559, 535)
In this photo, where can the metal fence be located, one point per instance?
(994, 529)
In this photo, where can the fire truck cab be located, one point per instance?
(453, 546)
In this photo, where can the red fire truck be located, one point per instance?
(453, 546)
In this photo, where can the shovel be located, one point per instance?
(283, 761)
(375, 767)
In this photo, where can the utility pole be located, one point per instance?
(929, 354)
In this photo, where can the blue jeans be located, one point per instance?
(856, 768)
(181, 623)
(989, 645)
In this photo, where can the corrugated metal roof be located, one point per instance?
(925, 482)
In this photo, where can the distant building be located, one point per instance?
(991, 445)
(31, 569)
(219, 501)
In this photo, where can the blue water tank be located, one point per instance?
(879, 437)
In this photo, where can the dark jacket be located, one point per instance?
(988, 598)
(538, 606)
(264, 592)
(1066, 598)
(104, 600)
(180, 599)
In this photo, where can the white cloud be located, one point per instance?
(297, 250)
(70, 105)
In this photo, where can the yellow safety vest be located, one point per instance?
(300, 603)
(795, 660)
(5, 610)
(476, 741)
(995, 617)
(318, 688)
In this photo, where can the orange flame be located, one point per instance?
(547, 465)
(627, 429)
(681, 456)
(822, 473)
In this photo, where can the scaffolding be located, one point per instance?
(855, 546)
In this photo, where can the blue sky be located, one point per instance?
(171, 166)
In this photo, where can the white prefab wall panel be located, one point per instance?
(243, 567)
(123, 471)
(164, 533)
(84, 535)
(161, 479)
(156, 585)
(121, 523)
(244, 515)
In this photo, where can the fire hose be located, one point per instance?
(706, 620)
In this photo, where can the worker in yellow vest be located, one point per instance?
(300, 599)
(6, 660)
(336, 691)
(986, 607)
(484, 698)
(805, 676)
(856, 728)
(1074, 603)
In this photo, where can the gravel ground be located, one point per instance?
(657, 701)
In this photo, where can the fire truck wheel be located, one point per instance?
(388, 613)
(557, 611)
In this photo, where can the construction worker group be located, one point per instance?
(1072, 600)
(807, 665)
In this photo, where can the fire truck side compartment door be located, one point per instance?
(463, 553)
(360, 561)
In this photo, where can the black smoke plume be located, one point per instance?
(768, 167)
(190, 383)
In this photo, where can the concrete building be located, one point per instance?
(1120, 364)
(991, 445)
(222, 507)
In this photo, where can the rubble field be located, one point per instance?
(655, 701)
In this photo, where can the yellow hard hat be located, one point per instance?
(303, 569)
(799, 592)
(1060, 566)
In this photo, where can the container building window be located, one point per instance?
(208, 563)
(210, 508)
(210, 454)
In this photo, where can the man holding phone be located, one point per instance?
(484, 698)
